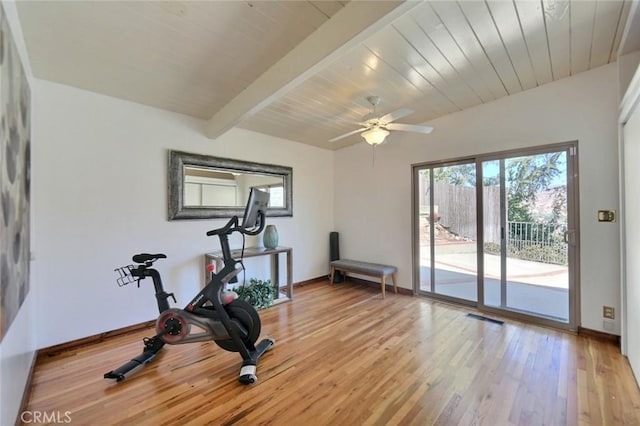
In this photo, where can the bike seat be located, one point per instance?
(146, 257)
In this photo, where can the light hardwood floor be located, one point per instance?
(344, 356)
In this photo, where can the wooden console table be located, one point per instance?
(217, 259)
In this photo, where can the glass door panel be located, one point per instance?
(492, 206)
(537, 273)
(525, 215)
(424, 229)
(454, 231)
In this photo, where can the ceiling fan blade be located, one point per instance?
(409, 128)
(348, 134)
(393, 116)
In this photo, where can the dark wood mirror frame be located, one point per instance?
(179, 160)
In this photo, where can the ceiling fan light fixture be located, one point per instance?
(375, 136)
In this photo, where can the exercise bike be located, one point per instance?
(234, 326)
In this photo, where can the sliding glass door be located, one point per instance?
(447, 231)
(526, 237)
(499, 232)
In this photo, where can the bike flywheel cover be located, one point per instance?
(242, 312)
(174, 325)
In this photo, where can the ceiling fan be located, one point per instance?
(375, 129)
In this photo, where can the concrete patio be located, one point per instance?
(532, 287)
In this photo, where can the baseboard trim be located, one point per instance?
(96, 338)
(376, 285)
(309, 281)
(283, 288)
(600, 335)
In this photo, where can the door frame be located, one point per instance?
(573, 224)
(415, 231)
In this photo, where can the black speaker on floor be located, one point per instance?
(334, 254)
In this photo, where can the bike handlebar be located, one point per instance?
(232, 226)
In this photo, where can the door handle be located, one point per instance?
(566, 237)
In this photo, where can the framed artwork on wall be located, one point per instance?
(15, 159)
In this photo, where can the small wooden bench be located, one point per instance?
(366, 268)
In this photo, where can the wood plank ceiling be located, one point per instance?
(191, 57)
(436, 58)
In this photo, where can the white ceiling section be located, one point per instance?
(302, 70)
(190, 57)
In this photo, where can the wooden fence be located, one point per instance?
(455, 205)
(455, 210)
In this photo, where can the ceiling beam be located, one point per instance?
(344, 30)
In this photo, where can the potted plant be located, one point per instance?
(259, 293)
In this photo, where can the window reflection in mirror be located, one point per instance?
(207, 187)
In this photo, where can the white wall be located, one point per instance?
(373, 200)
(100, 182)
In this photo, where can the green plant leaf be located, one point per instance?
(258, 293)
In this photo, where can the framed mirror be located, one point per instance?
(205, 187)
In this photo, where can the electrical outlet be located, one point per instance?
(609, 312)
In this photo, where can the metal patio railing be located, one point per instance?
(537, 241)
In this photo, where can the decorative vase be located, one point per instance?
(270, 237)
